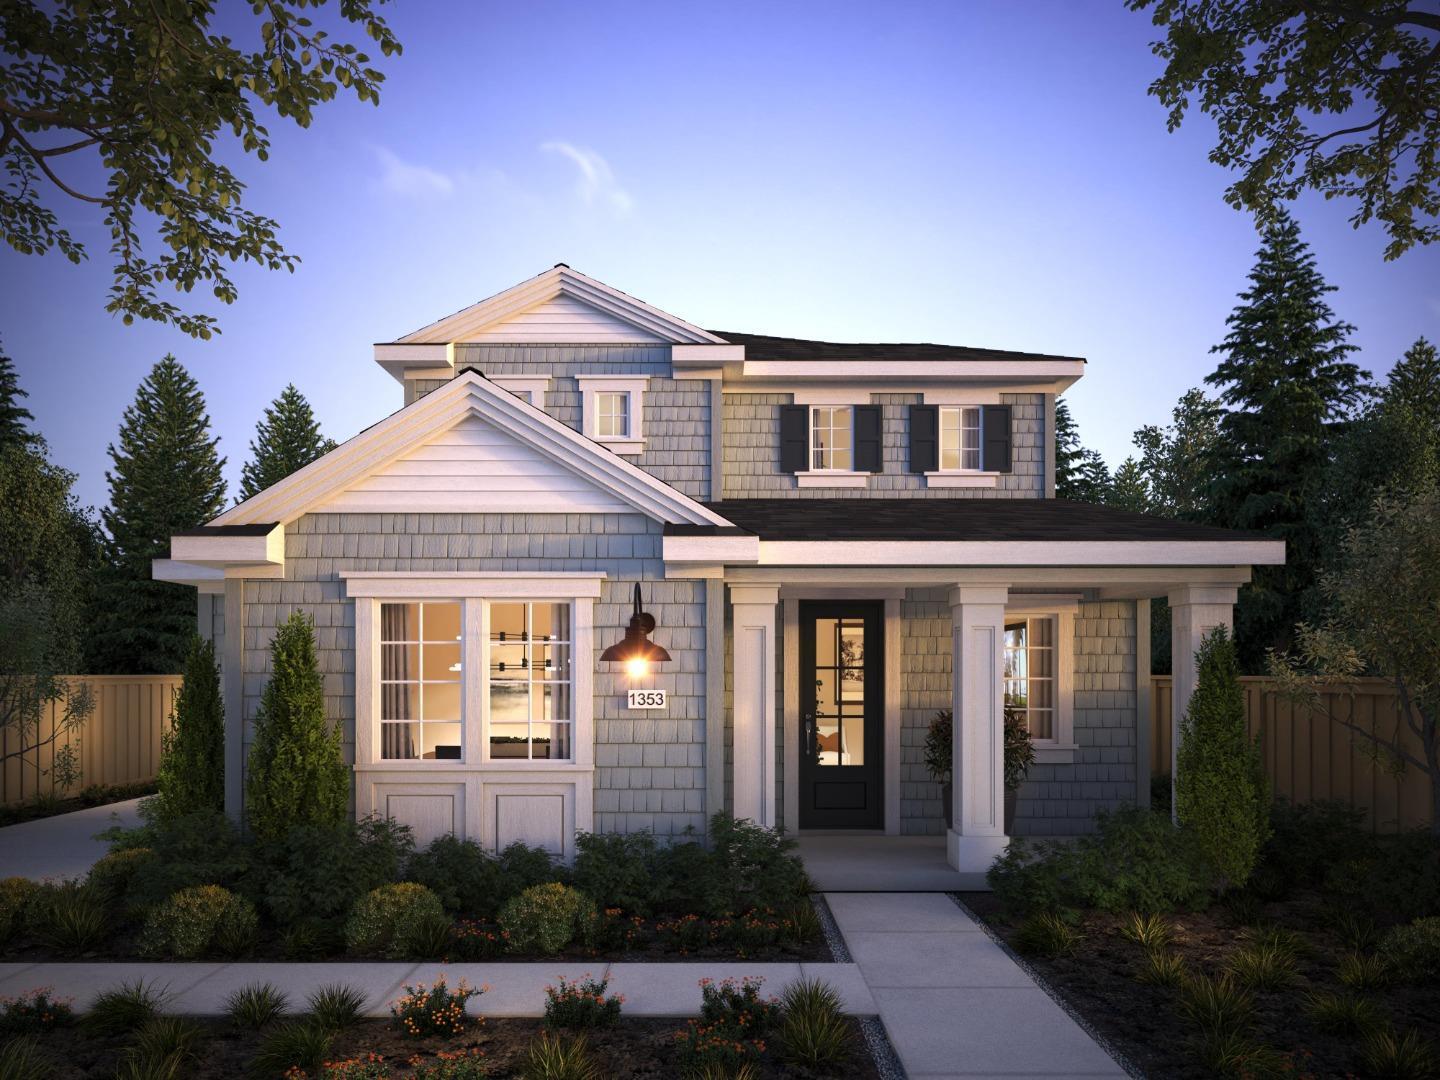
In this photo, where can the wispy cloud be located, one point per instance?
(595, 183)
(412, 181)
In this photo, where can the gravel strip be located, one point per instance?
(887, 1063)
(839, 952)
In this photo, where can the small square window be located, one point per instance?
(612, 414)
(831, 444)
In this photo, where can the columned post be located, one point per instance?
(977, 615)
(232, 681)
(753, 619)
(1195, 610)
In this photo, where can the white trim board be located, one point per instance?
(1021, 553)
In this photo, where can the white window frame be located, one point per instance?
(422, 641)
(949, 400)
(531, 388)
(1060, 749)
(475, 592)
(634, 387)
(829, 477)
(958, 412)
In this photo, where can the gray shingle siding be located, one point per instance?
(650, 772)
(925, 668)
(750, 431)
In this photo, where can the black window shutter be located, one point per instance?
(794, 438)
(924, 438)
(867, 438)
(996, 430)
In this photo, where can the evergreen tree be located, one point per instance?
(1222, 797)
(297, 774)
(1080, 473)
(287, 438)
(1286, 381)
(1175, 460)
(1129, 489)
(166, 478)
(13, 416)
(192, 765)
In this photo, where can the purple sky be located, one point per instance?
(988, 174)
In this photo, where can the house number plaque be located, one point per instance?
(646, 699)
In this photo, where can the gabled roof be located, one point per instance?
(768, 347)
(557, 281)
(468, 394)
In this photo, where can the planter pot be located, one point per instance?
(1010, 794)
(947, 796)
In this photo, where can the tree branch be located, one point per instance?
(1403, 755)
(39, 159)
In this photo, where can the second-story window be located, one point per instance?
(612, 414)
(960, 439)
(831, 437)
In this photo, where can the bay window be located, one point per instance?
(529, 661)
(420, 681)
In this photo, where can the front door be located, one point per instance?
(842, 717)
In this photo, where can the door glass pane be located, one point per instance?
(839, 719)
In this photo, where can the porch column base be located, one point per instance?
(973, 854)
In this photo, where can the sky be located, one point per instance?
(989, 174)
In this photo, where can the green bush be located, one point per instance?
(381, 921)
(582, 1004)
(813, 1029)
(1413, 951)
(423, 1011)
(1136, 860)
(200, 921)
(1398, 880)
(111, 875)
(317, 872)
(196, 849)
(471, 882)
(69, 917)
(619, 870)
(16, 894)
(1308, 839)
(749, 867)
(192, 763)
(297, 772)
(33, 1012)
(546, 918)
(1222, 797)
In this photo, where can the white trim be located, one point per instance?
(462, 585)
(220, 549)
(560, 281)
(401, 358)
(207, 579)
(710, 549)
(753, 643)
(922, 371)
(829, 395)
(633, 386)
(1021, 552)
(467, 394)
(1060, 749)
(961, 479)
(533, 387)
(831, 478)
(964, 395)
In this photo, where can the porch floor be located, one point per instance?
(873, 862)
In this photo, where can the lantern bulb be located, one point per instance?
(637, 667)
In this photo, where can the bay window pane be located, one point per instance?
(508, 662)
(440, 742)
(550, 622)
(509, 741)
(398, 742)
(399, 661)
(441, 662)
(552, 701)
(440, 622)
(399, 701)
(509, 704)
(550, 741)
(441, 701)
(507, 622)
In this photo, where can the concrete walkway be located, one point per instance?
(200, 989)
(953, 1003)
(62, 846)
(869, 862)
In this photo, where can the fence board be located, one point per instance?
(119, 744)
(1308, 757)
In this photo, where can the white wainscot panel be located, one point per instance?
(431, 810)
(538, 814)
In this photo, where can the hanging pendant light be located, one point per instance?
(637, 652)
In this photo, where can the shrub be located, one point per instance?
(802, 923)
(736, 1005)
(1136, 860)
(300, 1044)
(69, 918)
(752, 867)
(621, 870)
(1237, 1054)
(1221, 795)
(454, 1065)
(33, 1012)
(371, 1067)
(22, 1059)
(1413, 951)
(466, 879)
(199, 921)
(813, 1030)
(546, 918)
(336, 1006)
(1308, 839)
(434, 1010)
(197, 849)
(192, 762)
(16, 894)
(256, 1006)
(382, 919)
(162, 1046)
(297, 772)
(318, 872)
(1399, 880)
(582, 1004)
(1407, 1056)
(312, 939)
(111, 875)
(714, 1050)
(1046, 934)
(1346, 1014)
(556, 1057)
(1356, 932)
(126, 1008)
(470, 940)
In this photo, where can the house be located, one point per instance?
(831, 542)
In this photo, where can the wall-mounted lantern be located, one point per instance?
(637, 652)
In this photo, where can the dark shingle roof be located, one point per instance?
(947, 519)
(767, 347)
(260, 528)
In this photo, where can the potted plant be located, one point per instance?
(1019, 756)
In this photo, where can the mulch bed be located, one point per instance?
(1144, 1023)
(640, 1048)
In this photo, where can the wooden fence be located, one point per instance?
(1309, 757)
(119, 744)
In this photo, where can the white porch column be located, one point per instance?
(1195, 610)
(977, 615)
(753, 618)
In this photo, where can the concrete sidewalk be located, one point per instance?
(63, 846)
(953, 1002)
(518, 989)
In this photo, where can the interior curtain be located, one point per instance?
(396, 739)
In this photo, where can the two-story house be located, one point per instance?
(831, 542)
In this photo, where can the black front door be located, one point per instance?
(842, 716)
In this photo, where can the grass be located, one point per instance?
(126, 1008)
(1046, 934)
(557, 1057)
(303, 1044)
(256, 1006)
(430, 937)
(1405, 1056)
(813, 1031)
(22, 1059)
(73, 921)
(162, 1049)
(337, 1007)
(1342, 1014)
(1358, 932)
(1262, 966)
(1150, 931)
(803, 925)
(1360, 971)
(1216, 1006)
(746, 1070)
(1162, 968)
(1236, 1054)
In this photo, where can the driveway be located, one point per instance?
(63, 846)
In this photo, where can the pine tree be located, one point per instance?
(166, 478)
(1176, 459)
(1414, 384)
(1286, 382)
(1129, 489)
(1080, 473)
(13, 416)
(286, 439)
(192, 765)
(297, 774)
